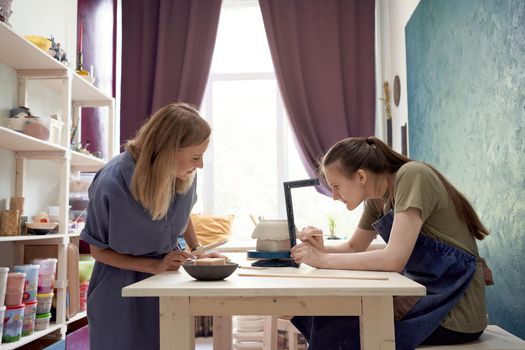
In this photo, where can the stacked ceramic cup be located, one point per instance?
(14, 312)
(46, 284)
(29, 297)
(3, 282)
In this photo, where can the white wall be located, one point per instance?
(45, 18)
(393, 15)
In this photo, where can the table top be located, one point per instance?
(179, 283)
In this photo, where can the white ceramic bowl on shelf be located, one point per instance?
(89, 78)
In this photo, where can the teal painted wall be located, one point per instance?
(466, 113)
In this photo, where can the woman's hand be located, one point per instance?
(307, 253)
(172, 261)
(312, 235)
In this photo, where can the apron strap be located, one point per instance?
(487, 272)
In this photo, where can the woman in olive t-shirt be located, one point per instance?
(430, 230)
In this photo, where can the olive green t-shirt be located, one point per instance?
(417, 186)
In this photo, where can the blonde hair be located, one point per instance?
(155, 147)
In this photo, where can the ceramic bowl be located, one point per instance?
(272, 245)
(89, 78)
(209, 272)
(249, 325)
(17, 123)
(41, 228)
(271, 230)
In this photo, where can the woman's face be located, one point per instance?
(189, 159)
(349, 191)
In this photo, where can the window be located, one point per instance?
(252, 151)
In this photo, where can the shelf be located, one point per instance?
(28, 339)
(31, 65)
(82, 91)
(77, 317)
(87, 92)
(30, 237)
(86, 163)
(16, 141)
(20, 54)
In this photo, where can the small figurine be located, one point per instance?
(57, 52)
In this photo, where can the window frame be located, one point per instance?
(208, 197)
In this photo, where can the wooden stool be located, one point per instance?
(293, 333)
(273, 325)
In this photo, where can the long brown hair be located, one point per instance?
(372, 154)
(155, 148)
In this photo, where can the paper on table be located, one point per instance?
(292, 275)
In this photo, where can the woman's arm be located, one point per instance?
(359, 242)
(192, 241)
(171, 262)
(190, 237)
(393, 257)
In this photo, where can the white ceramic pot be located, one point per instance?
(17, 123)
(273, 245)
(271, 230)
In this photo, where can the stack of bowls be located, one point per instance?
(14, 311)
(3, 283)
(46, 284)
(29, 297)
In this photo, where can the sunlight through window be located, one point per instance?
(253, 151)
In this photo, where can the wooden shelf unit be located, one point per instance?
(31, 63)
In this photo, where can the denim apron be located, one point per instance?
(444, 270)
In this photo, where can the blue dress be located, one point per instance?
(116, 221)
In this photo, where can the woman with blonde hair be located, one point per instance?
(139, 207)
(431, 231)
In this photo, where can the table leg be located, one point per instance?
(222, 332)
(270, 333)
(377, 323)
(177, 326)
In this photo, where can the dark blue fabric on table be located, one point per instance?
(116, 221)
(444, 270)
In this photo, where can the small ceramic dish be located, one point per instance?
(89, 78)
(41, 228)
(209, 272)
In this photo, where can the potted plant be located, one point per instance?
(331, 227)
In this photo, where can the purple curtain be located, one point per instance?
(97, 19)
(323, 53)
(167, 46)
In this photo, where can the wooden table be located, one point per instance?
(182, 298)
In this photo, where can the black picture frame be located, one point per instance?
(288, 186)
